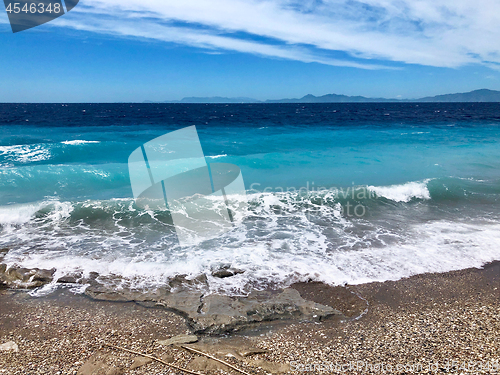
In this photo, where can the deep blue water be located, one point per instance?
(425, 179)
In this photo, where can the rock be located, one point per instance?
(206, 364)
(221, 274)
(187, 303)
(182, 283)
(3, 252)
(72, 278)
(226, 271)
(252, 351)
(179, 340)
(3, 283)
(213, 313)
(15, 274)
(221, 314)
(23, 278)
(167, 358)
(218, 314)
(106, 289)
(139, 362)
(42, 277)
(96, 366)
(271, 367)
(10, 346)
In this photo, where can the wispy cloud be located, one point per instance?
(442, 33)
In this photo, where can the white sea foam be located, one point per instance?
(403, 193)
(78, 142)
(276, 245)
(18, 214)
(440, 247)
(217, 156)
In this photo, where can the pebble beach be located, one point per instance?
(431, 323)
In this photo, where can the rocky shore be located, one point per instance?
(431, 323)
(204, 313)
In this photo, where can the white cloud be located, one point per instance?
(443, 33)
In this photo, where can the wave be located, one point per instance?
(217, 156)
(65, 152)
(24, 153)
(403, 193)
(285, 238)
(78, 142)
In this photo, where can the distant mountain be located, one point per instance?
(483, 95)
(332, 98)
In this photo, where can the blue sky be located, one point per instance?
(130, 50)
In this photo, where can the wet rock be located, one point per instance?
(42, 277)
(104, 290)
(186, 303)
(22, 275)
(181, 282)
(220, 314)
(3, 252)
(3, 283)
(179, 340)
(139, 362)
(221, 274)
(10, 346)
(23, 278)
(226, 271)
(178, 295)
(72, 278)
(214, 314)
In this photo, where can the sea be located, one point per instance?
(337, 193)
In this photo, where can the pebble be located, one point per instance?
(10, 346)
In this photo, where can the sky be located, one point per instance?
(131, 50)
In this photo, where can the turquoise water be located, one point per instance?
(338, 193)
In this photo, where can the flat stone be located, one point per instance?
(221, 314)
(215, 314)
(206, 364)
(167, 358)
(179, 340)
(271, 367)
(139, 362)
(96, 366)
(10, 346)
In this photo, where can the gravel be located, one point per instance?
(435, 323)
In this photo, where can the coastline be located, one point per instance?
(428, 319)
